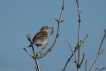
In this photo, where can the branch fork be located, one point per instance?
(36, 56)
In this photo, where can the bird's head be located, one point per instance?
(45, 28)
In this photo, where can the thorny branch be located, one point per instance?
(99, 52)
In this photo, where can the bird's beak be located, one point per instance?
(51, 31)
(50, 28)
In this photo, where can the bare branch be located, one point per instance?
(72, 51)
(96, 69)
(29, 38)
(82, 59)
(99, 52)
(78, 55)
(86, 65)
(69, 59)
(79, 64)
(57, 35)
(85, 38)
(43, 47)
(37, 66)
(102, 69)
(102, 41)
(28, 52)
(79, 20)
(36, 62)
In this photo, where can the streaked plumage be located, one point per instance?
(41, 37)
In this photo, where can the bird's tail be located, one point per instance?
(31, 44)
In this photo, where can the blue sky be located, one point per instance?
(21, 17)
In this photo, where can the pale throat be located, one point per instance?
(45, 30)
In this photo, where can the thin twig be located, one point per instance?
(79, 64)
(57, 35)
(43, 47)
(36, 62)
(72, 51)
(79, 20)
(29, 38)
(69, 59)
(96, 69)
(38, 68)
(28, 52)
(78, 69)
(85, 39)
(99, 52)
(78, 56)
(82, 59)
(102, 68)
(86, 65)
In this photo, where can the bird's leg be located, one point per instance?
(37, 53)
(45, 45)
(37, 49)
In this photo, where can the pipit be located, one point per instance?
(41, 37)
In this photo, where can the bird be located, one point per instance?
(41, 37)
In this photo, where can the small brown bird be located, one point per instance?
(41, 37)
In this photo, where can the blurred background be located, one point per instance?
(21, 17)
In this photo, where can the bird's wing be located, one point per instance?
(40, 35)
